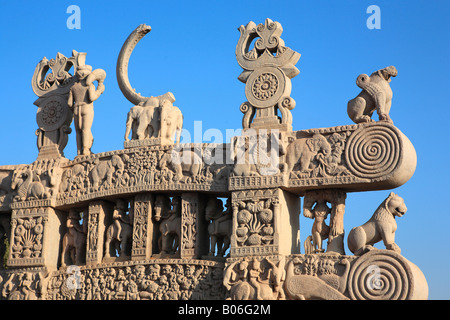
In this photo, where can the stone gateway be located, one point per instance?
(164, 220)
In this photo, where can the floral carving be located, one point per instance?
(255, 223)
(28, 234)
(265, 86)
(52, 112)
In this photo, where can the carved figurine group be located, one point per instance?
(162, 219)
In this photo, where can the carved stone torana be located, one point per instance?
(165, 220)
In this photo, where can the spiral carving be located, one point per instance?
(380, 275)
(373, 151)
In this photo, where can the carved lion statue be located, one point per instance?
(376, 95)
(381, 226)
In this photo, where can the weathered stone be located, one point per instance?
(164, 220)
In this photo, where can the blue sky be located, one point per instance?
(191, 52)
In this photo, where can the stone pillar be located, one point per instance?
(265, 222)
(194, 233)
(35, 237)
(97, 222)
(142, 227)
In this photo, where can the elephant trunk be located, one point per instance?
(122, 68)
(122, 64)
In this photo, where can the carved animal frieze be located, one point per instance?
(302, 282)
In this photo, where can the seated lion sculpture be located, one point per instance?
(381, 226)
(376, 95)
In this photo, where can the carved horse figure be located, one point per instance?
(220, 227)
(170, 226)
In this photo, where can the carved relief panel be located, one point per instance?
(35, 236)
(143, 229)
(265, 222)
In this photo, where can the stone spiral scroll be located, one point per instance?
(374, 151)
(385, 275)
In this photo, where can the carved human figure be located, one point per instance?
(74, 241)
(320, 230)
(254, 277)
(251, 281)
(171, 122)
(81, 97)
(376, 95)
(380, 227)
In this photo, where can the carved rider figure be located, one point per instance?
(120, 216)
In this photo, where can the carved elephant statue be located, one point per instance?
(376, 95)
(186, 161)
(103, 171)
(143, 120)
(171, 123)
(304, 150)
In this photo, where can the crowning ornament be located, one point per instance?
(268, 69)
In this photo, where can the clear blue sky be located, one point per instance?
(191, 52)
